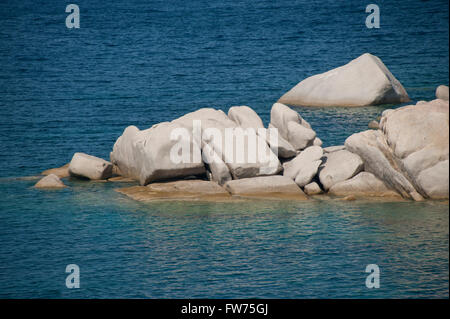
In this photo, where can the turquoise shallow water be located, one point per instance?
(140, 62)
(264, 249)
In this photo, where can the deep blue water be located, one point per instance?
(143, 62)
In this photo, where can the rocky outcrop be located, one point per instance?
(291, 126)
(364, 184)
(88, 166)
(266, 187)
(339, 166)
(442, 92)
(410, 144)
(363, 81)
(50, 181)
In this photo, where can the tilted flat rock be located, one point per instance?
(364, 184)
(148, 155)
(291, 126)
(50, 181)
(88, 166)
(442, 92)
(339, 166)
(177, 190)
(363, 81)
(266, 187)
(378, 159)
(313, 189)
(61, 172)
(304, 164)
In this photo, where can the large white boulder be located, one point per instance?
(364, 184)
(88, 166)
(363, 81)
(266, 186)
(157, 153)
(339, 166)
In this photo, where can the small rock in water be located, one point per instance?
(50, 181)
(349, 198)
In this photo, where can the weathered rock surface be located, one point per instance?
(363, 185)
(242, 157)
(442, 92)
(304, 166)
(378, 159)
(291, 126)
(50, 181)
(280, 146)
(88, 166)
(266, 187)
(245, 117)
(363, 81)
(339, 166)
(61, 172)
(156, 153)
(177, 190)
(434, 180)
(313, 189)
(307, 173)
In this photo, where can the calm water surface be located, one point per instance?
(143, 62)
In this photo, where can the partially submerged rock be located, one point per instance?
(266, 187)
(88, 166)
(50, 181)
(363, 185)
(61, 172)
(363, 81)
(177, 190)
(339, 166)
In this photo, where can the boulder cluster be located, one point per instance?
(406, 155)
